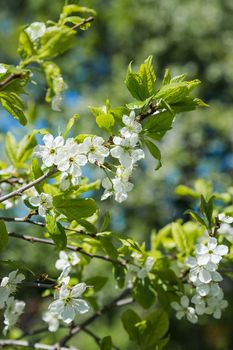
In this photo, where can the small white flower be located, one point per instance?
(68, 302)
(52, 320)
(211, 289)
(119, 186)
(183, 309)
(43, 201)
(14, 308)
(226, 219)
(200, 305)
(70, 259)
(142, 273)
(132, 127)
(36, 30)
(226, 230)
(8, 286)
(125, 151)
(94, 148)
(215, 305)
(69, 158)
(49, 151)
(200, 271)
(212, 252)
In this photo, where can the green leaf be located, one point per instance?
(56, 41)
(87, 225)
(97, 282)
(11, 148)
(108, 246)
(56, 232)
(26, 147)
(13, 107)
(167, 77)
(3, 236)
(143, 292)
(129, 319)
(74, 208)
(104, 118)
(36, 173)
(182, 190)
(119, 274)
(106, 221)
(72, 8)
(180, 238)
(25, 49)
(154, 151)
(141, 85)
(195, 216)
(70, 124)
(157, 125)
(106, 343)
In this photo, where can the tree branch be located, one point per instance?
(96, 338)
(30, 345)
(27, 220)
(32, 239)
(10, 78)
(117, 302)
(22, 189)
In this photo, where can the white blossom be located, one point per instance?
(94, 149)
(183, 309)
(212, 252)
(132, 127)
(142, 273)
(200, 305)
(8, 286)
(43, 201)
(125, 151)
(119, 186)
(215, 305)
(67, 260)
(200, 271)
(226, 230)
(52, 319)
(14, 308)
(69, 158)
(36, 30)
(226, 219)
(48, 151)
(68, 302)
(211, 288)
(56, 102)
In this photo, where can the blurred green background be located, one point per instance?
(193, 37)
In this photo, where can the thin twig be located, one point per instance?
(117, 302)
(30, 345)
(96, 338)
(22, 189)
(87, 20)
(10, 78)
(27, 220)
(32, 239)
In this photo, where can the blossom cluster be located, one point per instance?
(126, 151)
(69, 157)
(226, 228)
(13, 307)
(204, 278)
(67, 301)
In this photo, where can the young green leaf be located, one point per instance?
(74, 208)
(3, 236)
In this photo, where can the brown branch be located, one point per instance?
(31, 345)
(27, 220)
(32, 239)
(22, 189)
(87, 20)
(117, 302)
(96, 338)
(10, 78)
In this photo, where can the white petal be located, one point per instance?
(204, 276)
(184, 300)
(81, 306)
(221, 249)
